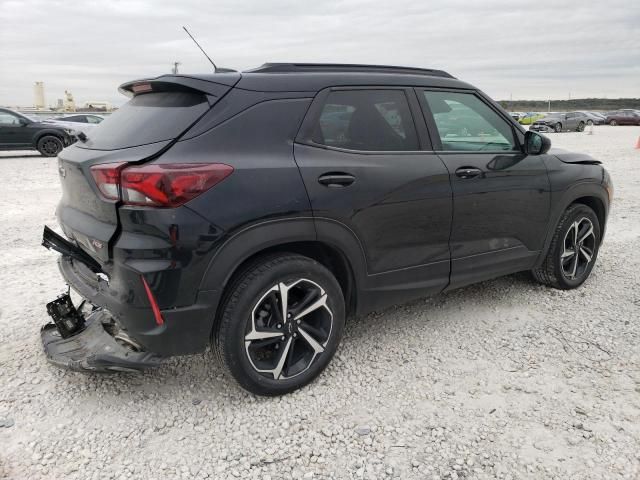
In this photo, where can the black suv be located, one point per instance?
(255, 211)
(18, 132)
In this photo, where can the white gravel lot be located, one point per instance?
(506, 379)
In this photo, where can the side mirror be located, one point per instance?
(23, 121)
(536, 144)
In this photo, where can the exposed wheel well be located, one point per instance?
(48, 134)
(334, 260)
(596, 205)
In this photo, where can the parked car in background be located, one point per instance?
(594, 118)
(529, 118)
(78, 123)
(19, 132)
(561, 122)
(516, 115)
(313, 192)
(623, 117)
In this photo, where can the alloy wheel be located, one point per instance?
(578, 248)
(289, 328)
(51, 147)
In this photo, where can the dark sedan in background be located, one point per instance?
(561, 122)
(623, 117)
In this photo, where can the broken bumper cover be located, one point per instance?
(94, 349)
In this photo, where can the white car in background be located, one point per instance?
(81, 122)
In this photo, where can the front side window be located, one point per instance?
(371, 120)
(466, 123)
(7, 119)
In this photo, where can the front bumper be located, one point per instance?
(94, 349)
(541, 128)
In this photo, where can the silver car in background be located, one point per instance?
(80, 122)
(561, 122)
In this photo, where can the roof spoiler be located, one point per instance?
(181, 83)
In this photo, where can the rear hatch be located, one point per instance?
(159, 113)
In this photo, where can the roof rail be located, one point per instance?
(345, 67)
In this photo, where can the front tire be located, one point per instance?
(613, 123)
(581, 126)
(573, 250)
(558, 127)
(590, 122)
(281, 323)
(49, 146)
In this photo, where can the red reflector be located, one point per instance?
(152, 300)
(141, 88)
(107, 178)
(169, 185)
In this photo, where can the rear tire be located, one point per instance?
(613, 123)
(49, 146)
(573, 250)
(581, 126)
(266, 351)
(589, 122)
(558, 127)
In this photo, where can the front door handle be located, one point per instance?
(468, 172)
(336, 179)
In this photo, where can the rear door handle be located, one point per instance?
(336, 180)
(468, 172)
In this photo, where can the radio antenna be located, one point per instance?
(215, 69)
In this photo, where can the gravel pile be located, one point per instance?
(506, 379)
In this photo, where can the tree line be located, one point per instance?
(604, 104)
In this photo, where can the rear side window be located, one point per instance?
(148, 118)
(371, 120)
(466, 123)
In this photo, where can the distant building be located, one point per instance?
(59, 104)
(38, 92)
(69, 103)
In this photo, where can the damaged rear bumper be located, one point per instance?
(95, 349)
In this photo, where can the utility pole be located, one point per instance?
(174, 70)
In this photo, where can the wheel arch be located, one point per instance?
(336, 248)
(590, 194)
(597, 205)
(327, 255)
(50, 132)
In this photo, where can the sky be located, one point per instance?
(520, 49)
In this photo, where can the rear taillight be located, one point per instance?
(158, 185)
(107, 178)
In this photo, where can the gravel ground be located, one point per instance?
(506, 379)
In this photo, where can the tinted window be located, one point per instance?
(91, 119)
(148, 118)
(466, 123)
(372, 120)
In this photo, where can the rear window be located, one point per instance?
(148, 118)
(371, 120)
